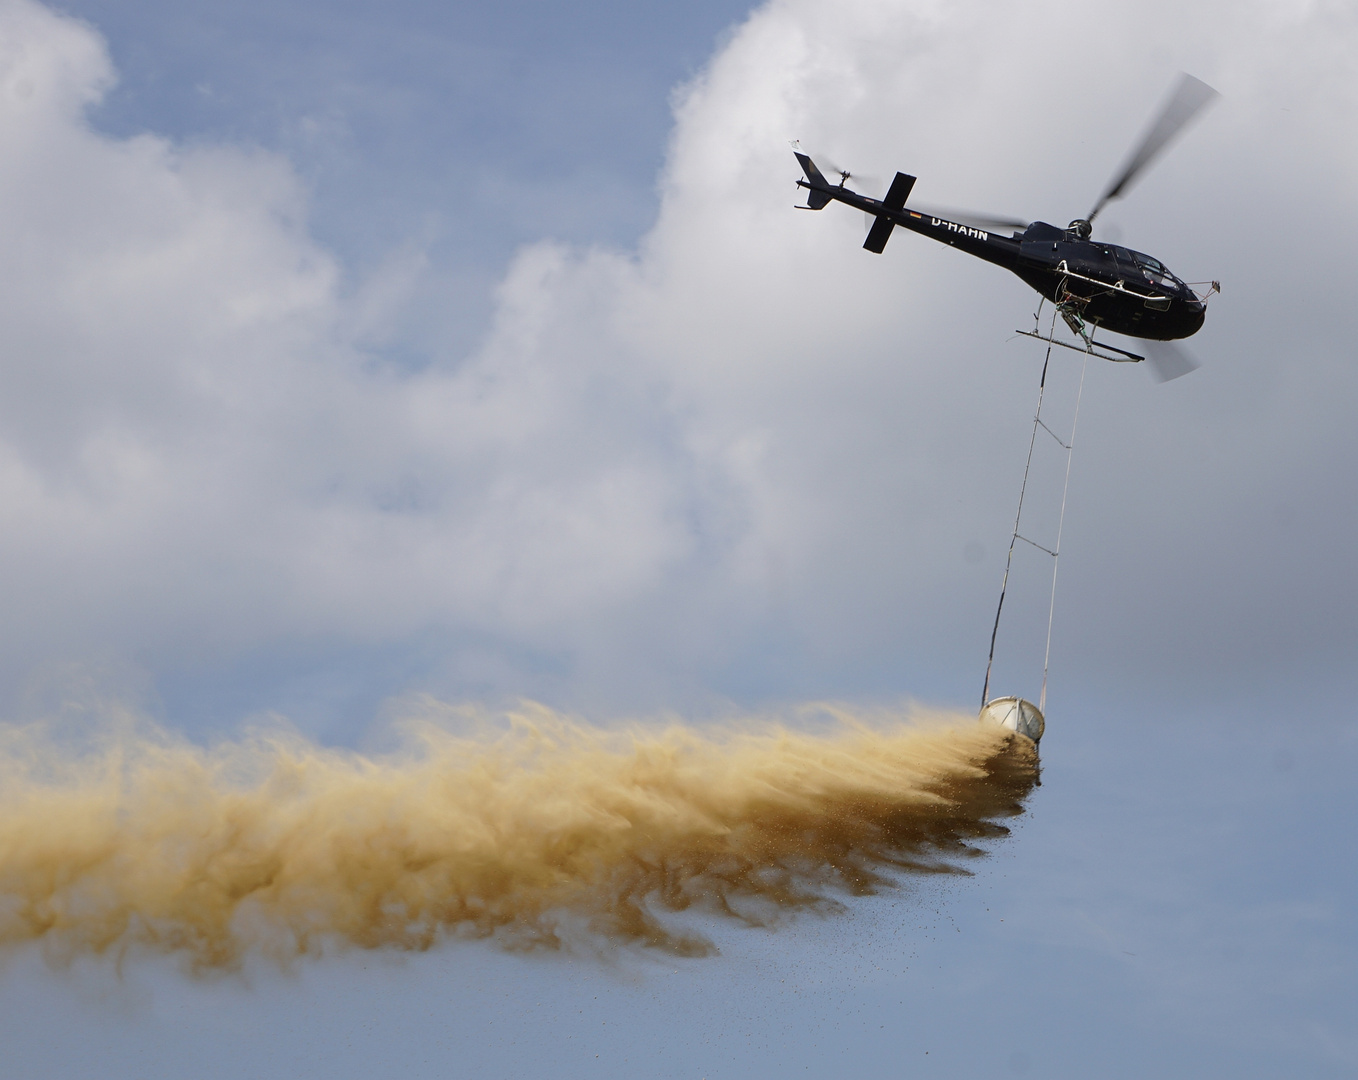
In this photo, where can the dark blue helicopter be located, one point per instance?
(1092, 284)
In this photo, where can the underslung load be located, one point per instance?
(1093, 285)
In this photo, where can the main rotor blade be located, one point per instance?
(1188, 98)
(988, 222)
(1169, 360)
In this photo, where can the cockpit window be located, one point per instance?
(1154, 270)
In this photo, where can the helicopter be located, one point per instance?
(1093, 284)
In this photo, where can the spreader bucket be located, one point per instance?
(1016, 714)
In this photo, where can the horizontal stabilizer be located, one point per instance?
(879, 234)
(896, 195)
(898, 192)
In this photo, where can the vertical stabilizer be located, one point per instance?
(818, 193)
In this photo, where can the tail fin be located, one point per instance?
(818, 193)
(896, 195)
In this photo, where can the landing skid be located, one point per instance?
(1090, 347)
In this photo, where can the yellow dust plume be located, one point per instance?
(534, 823)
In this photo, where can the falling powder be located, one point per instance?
(533, 824)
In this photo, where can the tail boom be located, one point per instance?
(890, 212)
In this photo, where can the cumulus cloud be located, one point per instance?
(747, 453)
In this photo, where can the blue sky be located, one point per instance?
(362, 351)
(472, 128)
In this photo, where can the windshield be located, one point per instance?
(1153, 270)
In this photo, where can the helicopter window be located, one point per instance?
(1125, 258)
(1159, 272)
(1153, 269)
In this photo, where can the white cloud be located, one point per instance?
(749, 444)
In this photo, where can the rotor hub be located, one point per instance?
(1081, 228)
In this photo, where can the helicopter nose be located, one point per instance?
(1195, 314)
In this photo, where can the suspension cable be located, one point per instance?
(1060, 528)
(1018, 516)
(1055, 553)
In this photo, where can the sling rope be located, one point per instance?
(1018, 519)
